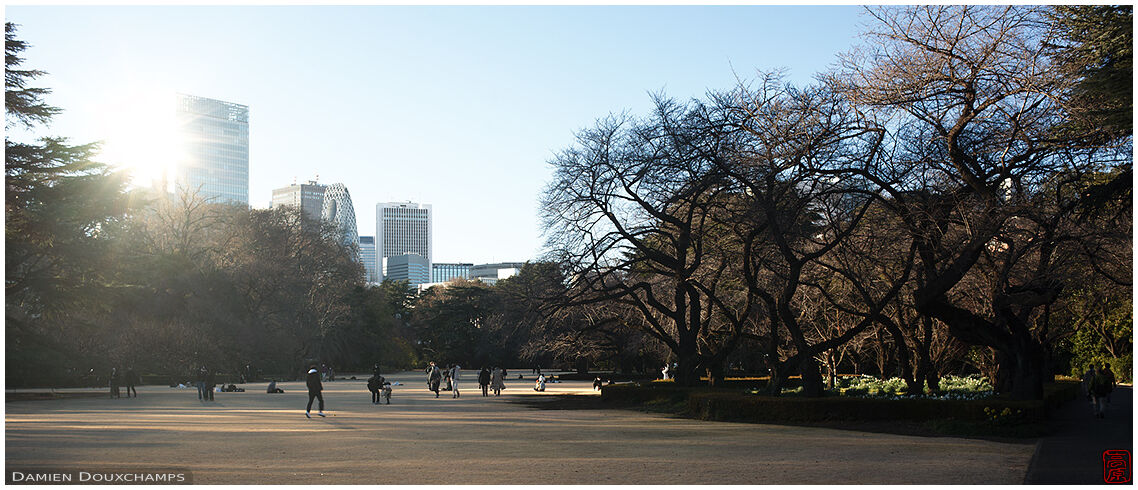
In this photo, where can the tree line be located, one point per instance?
(960, 185)
(953, 195)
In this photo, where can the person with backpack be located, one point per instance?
(314, 391)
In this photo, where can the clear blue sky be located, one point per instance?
(459, 107)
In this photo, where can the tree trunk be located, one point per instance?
(830, 368)
(812, 383)
(715, 375)
(582, 365)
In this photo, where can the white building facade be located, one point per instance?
(403, 228)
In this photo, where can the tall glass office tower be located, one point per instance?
(215, 149)
(367, 256)
(402, 228)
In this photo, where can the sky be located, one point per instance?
(460, 107)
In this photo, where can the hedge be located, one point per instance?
(717, 404)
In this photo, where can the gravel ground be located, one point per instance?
(256, 438)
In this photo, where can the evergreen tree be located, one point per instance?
(58, 202)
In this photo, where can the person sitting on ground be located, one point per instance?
(597, 383)
(540, 384)
(273, 387)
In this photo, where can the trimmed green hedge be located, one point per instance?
(756, 408)
(719, 404)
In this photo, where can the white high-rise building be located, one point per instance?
(402, 228)
(338, 209)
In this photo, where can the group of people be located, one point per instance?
(205, 380)
(492, 380)
(436, 376)
(379, 387)
(130, 378)
(1098, 383)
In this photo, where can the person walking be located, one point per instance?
(484, 380)
(114, 383)
(434, 377)
(446, 378)
(1089, 377)
(454, 372)
(496, 383)
(374, 384)
(1110, 380)
(314, 389)
(199, 381)
(1100, 387)
(131, 380)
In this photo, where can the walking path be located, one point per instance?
(1073, 455)
(257, 438)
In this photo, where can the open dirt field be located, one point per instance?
(254, 437)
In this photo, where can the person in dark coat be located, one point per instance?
(314, 389)
(434, 378)
(1100, 387)
(131, 380)
(484, 381)
(374, 384)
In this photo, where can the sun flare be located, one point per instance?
(141, 137)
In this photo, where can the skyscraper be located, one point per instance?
(367, 256)
(338, 209)
(306, 197)
(402, 228)
(215, 149)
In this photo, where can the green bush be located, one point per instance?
(754, 406)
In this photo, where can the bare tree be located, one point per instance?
(975, 104)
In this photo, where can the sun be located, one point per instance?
(141, 137)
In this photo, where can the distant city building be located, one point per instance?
(410, 267)
(446, 272)
(402, 228)
(492, 273)
(367, 256)
(214, 135)
(338, 209)
(306, 197)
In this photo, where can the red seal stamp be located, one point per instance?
(1116, 466)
